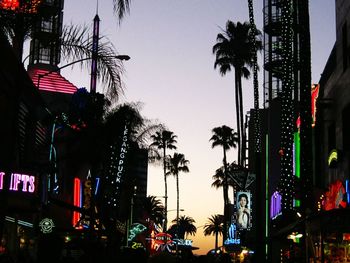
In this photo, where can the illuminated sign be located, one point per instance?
(136, 245)
(314, 95)
(183, 242)
(232, 236)
(275, 207)
(135, 230)
(76, 202)
(243, 210)
(46, 225)
(18, 182)
(162, 238)
(123, 151)
(334, 198)
(333, 157)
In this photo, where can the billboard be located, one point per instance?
(243, 210)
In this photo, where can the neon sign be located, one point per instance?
(334, 198)
(276, 207)
(232, 236)
(18, 182)
(162, 238)
(314, 95)
(46, 225)
(76, 201)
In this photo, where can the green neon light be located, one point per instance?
(297, 154)
(333, 156)
(296, 203)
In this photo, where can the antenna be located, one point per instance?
(96, 7)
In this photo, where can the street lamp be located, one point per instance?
(40, 76)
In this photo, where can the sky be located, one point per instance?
(171, 71)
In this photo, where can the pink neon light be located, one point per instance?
(314, 95)
(53, 81)
(27, 181)
(76, 202)
(1, 180)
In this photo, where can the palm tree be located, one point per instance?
(164, 140)
(121, 7)
(177, 163)
(183, 226)
(214, 226)
(75, 43)
(153, 209)
(234, 50)
(219, 179)
(225, 137)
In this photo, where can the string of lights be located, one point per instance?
(287, 108)
(256, 120)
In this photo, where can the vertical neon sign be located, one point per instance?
(76, 202)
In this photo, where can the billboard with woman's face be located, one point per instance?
(243, 210)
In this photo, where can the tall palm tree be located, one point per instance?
(164, 140)
(226, 138)
(183, 226)
(177, 163)
(219, 179)
(233, 49)
(214, 226)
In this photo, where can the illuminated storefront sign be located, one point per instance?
(18, 182)
(183, 242)
(232, 236)
(123, 151)
(334, 198)
(314, 95)
(276, 207)
(46, 225)
(162, 238)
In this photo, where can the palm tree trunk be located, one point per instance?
(239, 135)
(241, 118)
(177, 202)
(226, 215)
(165, 191)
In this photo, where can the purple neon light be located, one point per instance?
(276, 204)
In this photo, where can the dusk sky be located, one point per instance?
(171, 72)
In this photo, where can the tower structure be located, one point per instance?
(287, 98)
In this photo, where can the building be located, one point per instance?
(328, 229)
(24, 155)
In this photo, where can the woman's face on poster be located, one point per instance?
(243, 201)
